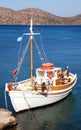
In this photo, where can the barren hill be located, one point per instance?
(40, 17)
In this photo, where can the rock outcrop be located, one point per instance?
(6, 119)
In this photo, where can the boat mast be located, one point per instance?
(31, 53)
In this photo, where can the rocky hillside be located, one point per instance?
(40, 17)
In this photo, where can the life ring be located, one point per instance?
(50, 75)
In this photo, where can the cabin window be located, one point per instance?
(40, 73)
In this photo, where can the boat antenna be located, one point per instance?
(31, 52)
(31, 13)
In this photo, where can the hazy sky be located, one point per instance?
(63, 8)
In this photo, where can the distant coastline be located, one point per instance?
(40, 17)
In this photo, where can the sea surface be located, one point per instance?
(62, 45)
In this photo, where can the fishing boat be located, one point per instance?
(49, 85)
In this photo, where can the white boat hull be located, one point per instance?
(23, 100)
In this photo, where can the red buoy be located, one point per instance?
(14, 72)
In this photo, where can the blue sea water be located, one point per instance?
(63, 47)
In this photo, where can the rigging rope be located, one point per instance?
(22, 57)
(31, 112)
(6, 104)
(43, 49)
(19, 49)
(39, 52)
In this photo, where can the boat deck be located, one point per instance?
(25, 86)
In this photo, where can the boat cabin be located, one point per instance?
(47, 73)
